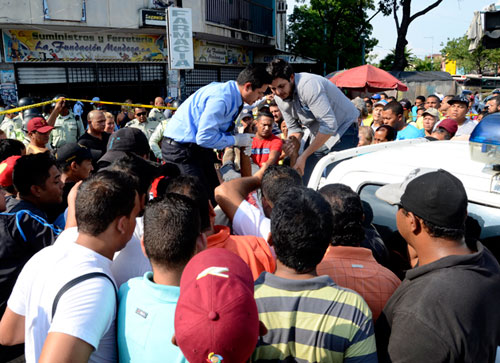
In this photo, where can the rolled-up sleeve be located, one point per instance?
(209, 133)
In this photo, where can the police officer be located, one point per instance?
(66, 127)
(156, 113)
(12, 126)
(142, 122)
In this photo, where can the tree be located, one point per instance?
(426, 64)
(477, 61)
(328, 30)
(387, 62)
(392, 6)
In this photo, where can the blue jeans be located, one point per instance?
(348, 140)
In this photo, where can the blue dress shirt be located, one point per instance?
(206, 116)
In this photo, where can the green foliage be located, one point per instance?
(387, 62)
(479, 61)
(422, 65)
(345, 23)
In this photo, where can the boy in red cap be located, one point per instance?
(39, 133)
(216, 319)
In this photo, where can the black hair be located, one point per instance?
(434, 96)
(273, 104)
(32, 170)
(146, 171)
(383, 94)
(10, 147)
(452, 234)
(255, 74)
(102, 198)
(391, 98)
(442, 130)
(395, 107)
(496, 99)
(390, 132)
(191, 187)
(421, 98)
(347, 212)
(171, 227)
(264, 113)
(277, 179)
(279, 68)
(301, 228)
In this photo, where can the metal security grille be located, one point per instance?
(197, 78)
(227, 74)
(152, 72)
(81, 74)
(118, 73)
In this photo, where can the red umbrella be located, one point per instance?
(368, 78)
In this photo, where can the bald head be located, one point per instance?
(159, 101)
(97, 122)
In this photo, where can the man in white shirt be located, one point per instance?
(76, 324)
(459, 106)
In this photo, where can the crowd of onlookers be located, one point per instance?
(436, 117)
(109, 253)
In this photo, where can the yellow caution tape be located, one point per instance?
(22, 108)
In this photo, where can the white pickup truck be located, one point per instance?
(367, 168)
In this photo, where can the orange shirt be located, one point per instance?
(253, 250)
(356, 269)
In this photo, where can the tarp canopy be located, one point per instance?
(426, 76)
(367, 78)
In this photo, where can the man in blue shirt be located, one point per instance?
(147, 304)
(205, 121)
(393, 116)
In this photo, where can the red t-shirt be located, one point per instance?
(261, 148)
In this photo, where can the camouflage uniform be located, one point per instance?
(66, 129)
(156, 137)
(12, 129)
(157, 115)
(147, 127)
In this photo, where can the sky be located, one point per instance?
(450, 19)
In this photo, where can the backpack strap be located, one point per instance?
(76, 281)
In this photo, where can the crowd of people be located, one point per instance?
(188, 235)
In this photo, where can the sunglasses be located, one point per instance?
(141, 114)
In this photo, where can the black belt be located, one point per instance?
(172, 142)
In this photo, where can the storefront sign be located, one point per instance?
(153, 18)
(37, 46)
(206, 52)
(180, 38)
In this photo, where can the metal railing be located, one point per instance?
(253, 16)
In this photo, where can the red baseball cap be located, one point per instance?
(216, 316)
(6, 170)
(449, 125)
(39, 124)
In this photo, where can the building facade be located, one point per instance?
(117, 49)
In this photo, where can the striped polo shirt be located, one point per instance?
(312, 320)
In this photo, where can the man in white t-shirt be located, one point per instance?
(76, 324)
(247, 219)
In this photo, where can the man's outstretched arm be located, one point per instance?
(229, 195)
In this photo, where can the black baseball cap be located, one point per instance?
(128, 139)
(72, 151)
(459, 99)
(434, 195)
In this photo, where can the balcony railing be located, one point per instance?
(254, 16)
